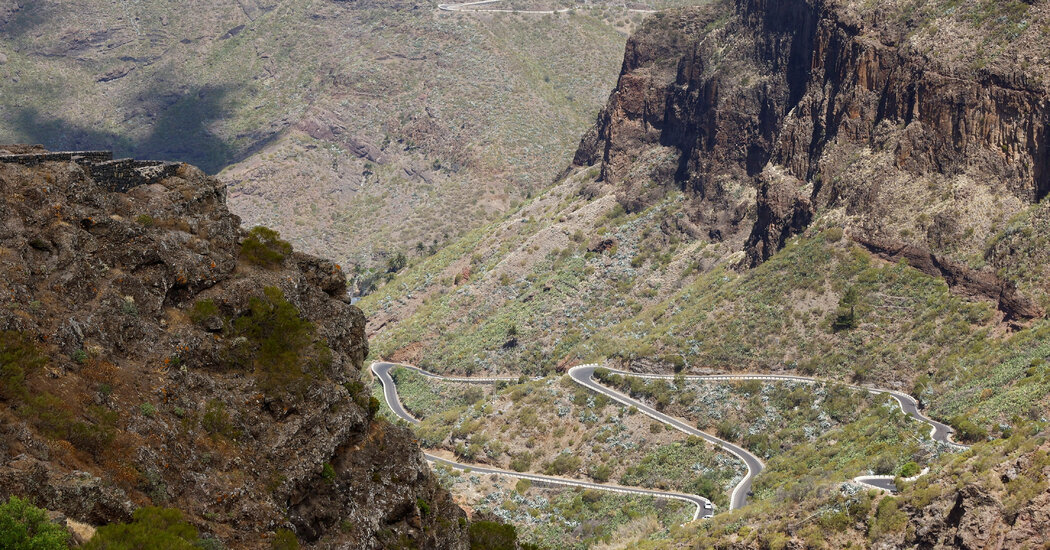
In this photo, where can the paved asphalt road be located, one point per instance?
(938, 431)
(382, 371)
(473, 7)
(879, 482)
(584, 375)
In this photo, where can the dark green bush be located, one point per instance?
(18, 358)
(95, 436)
(601, 473)
(491, 535)
(216, 421)
(26, 527)
(967, 431)
(284, 539)
(373, 406)
(424, 508)
(909, 469)
(284, 351)
(396, 263)
(846, 314)
(151, 529)
(563, 464)
(263, 246)
(728, 430)
(521, 462)
(203, 310)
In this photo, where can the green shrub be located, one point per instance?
(145, 220)
(521, 462)
(203, 310)
(601, 473)
(284, 539)
(728, 430)
(328, 473)
(967, 431)
(96, 435)
(373, 406)
(491, 535)
(26, 527)
(846, 314)
(148, 409)
(909, 469)
(263, 246)
(888, 519)
(18, 359)
(284, 353)
(396, 263)
(151, 529)
(424, 508)
(53, 418)
(216, 421)
(563, 464)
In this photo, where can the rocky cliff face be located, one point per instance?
(926, 126)
(152, 357)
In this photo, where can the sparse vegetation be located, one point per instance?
(284, 539)
(263, 247)
(490, 535)
(150, 529)
(284, 350)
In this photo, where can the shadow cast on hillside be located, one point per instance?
(179, 131)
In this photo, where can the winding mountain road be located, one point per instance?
(938, 432)
(584, 376)
(381, 370)
(472, 7)
(469, 6)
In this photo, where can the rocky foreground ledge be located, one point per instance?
(156, 353)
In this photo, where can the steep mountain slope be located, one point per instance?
(661, 229)
(920, 128)
(153, 353)
(319, 113)
(849, 189)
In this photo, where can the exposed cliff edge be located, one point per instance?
(157, 354)
(927, 126)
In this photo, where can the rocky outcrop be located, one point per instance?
(962, 279)
(146, 396)
(985, 514)
(814, 106)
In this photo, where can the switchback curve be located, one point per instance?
(469, 7)
(939, 432)
(382, 371)
(584, 375)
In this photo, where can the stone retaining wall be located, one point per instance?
(117, 175)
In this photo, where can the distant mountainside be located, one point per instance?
(849, 189)
(922, 131)
(320, 114)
